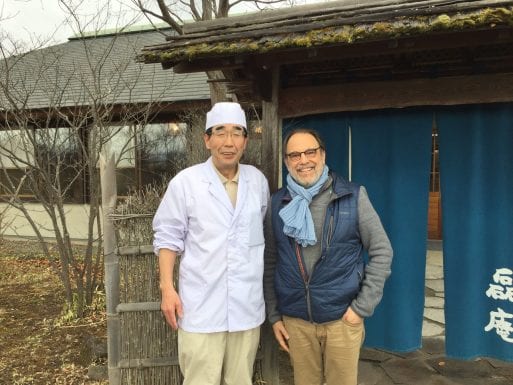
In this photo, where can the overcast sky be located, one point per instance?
(48, 21)
(29, 20)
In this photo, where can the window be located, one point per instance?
(16, 157)
(118, 140)
(35, 161)
(148, 154)
(57, 152)
(162, 151)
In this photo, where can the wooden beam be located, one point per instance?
(436, 41)
(271, 134)
(138, 306)
(135, 250)
(270, 364)
(263, 84)
(301, 101)
(208, 64)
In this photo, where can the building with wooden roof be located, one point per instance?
(355, 44)
(414, 99)
(70, 91)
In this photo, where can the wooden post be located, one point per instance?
(270, 363)
(111, 262)
(271, 134)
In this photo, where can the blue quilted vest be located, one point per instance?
(335, 280)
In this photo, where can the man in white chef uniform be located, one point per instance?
(212, 217)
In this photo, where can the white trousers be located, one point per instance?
(224, 358)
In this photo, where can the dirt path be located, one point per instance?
(36, 346)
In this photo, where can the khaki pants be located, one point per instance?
(224, 358)
(324, 352)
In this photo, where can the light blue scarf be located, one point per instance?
(297, 218)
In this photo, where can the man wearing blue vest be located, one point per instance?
(316, 286)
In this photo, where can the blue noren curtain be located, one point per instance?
(391, 158)
(476, 168)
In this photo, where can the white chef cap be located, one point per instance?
(226, 113)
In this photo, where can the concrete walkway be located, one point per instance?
(434, 320)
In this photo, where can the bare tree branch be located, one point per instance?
(201, 10)
(57, 114)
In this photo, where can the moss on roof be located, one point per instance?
(346, 34)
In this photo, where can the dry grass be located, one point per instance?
(37, 345)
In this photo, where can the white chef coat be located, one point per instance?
(221, 247)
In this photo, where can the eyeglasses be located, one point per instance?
(296, 155)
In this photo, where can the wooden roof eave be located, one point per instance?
(229, 54)
(345, 10)
(397, 45)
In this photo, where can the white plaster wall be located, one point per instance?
(14, 223)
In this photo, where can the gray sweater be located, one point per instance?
(374, 240)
